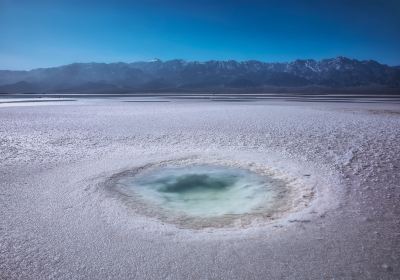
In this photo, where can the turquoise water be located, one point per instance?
(203, 191)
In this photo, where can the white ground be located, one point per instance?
(59, 220)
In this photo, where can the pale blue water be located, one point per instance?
(203, 191)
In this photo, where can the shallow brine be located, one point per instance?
(203, 191)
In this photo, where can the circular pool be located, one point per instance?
(197, 194)
(204, 191)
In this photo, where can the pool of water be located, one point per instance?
(202, 190)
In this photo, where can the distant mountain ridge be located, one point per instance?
(339, 72)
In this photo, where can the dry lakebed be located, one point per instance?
(193, 189)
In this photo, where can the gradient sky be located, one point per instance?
(49, 33)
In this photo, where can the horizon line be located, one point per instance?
(201, 61)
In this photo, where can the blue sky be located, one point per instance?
(49, 33)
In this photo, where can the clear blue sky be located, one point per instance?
(48, 33)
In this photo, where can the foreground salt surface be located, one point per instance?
(59, 221)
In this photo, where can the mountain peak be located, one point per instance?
(180, 74)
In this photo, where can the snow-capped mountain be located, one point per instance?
(179, 74)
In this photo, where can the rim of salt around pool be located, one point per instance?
(245, 193)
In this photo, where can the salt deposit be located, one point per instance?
(63, 218)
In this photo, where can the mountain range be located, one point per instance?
(157, 75)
